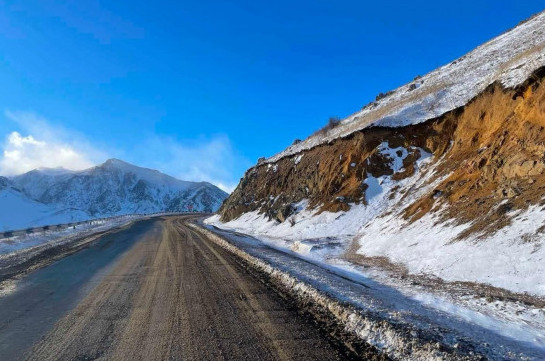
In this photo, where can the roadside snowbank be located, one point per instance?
(24, 241)
(513, 258)
(398, 318)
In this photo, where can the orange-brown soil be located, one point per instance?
(490, 155)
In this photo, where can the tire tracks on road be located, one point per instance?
(177, 295)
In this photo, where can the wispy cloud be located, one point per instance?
(40, 144)
(36, 142)
(22, 154)
(212, 159)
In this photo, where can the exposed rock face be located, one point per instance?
(487, 153)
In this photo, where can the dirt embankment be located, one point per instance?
(489, 153)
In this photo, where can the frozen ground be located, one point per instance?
(500, 329)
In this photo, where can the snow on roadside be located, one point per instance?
(427, 246)
(428, 317)
(511, 319)
(504, 259)
(24, 241)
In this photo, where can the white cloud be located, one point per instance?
(38, 143)
(22, 154)
(212, 160)
(43, 145)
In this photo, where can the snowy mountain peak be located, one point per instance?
(122, 168)
(112, 188)
(117, 163)
(114, 161)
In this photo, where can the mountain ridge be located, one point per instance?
(112, 188)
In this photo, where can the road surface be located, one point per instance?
(157, 291)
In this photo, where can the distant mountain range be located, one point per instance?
(52, 196)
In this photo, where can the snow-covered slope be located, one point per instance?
(443, 177)
(436, 190)
(48, 196)
(18, 211)
(509, 59)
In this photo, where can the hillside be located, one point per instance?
(50, 196)
(442, 177)
(17, 209)
(508, 60)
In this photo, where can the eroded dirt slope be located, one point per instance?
(489, 157)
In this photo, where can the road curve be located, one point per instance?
(175, 295)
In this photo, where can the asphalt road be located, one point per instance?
(165, 293)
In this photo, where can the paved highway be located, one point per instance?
(156, 291)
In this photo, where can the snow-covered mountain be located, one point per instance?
(46, 196)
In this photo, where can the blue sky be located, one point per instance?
(201, 89)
